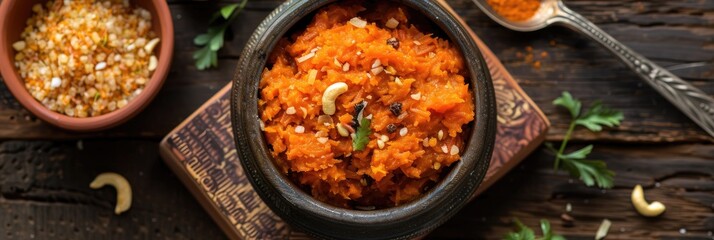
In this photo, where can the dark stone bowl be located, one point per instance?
(319, 219)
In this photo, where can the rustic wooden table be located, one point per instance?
(45, 172)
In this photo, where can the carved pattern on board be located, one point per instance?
(204, 150)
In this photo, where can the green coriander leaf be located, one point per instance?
(579, 154)
(557, 237)
(598, 116)
(203, 58)
(591, 172)
(567, 101)
(545, 227)
(216, 42)
(362, 135)
(202, 39)
(227, 10)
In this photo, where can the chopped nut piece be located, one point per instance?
(444, 148)
(416, 96)
(437, 165)
(153, 63)
(380, 144)
(149, 47)
(417, 43)
(378, 70)
(306, 57)
(376, 63)
(19, 45)
(322, 140)
(390, 70)
(392, 23)
(346, 67)
(290, 111)
(299, 129)
(342, 130)
(384, 138)
(358, 22)
(398, 81)
(311, 76)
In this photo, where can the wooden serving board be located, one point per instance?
(201, 152)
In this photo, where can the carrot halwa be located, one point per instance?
(401, 102)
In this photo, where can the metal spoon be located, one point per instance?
(696, 104)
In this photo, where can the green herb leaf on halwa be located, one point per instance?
(362, 135)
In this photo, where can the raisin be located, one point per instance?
(391, 128)
(359, 107)
(396, 108)
(393, 42)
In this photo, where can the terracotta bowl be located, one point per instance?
(13, 16)
(319, 219)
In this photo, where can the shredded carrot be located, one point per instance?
(413, 89)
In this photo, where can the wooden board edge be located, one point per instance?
(201, 197)
(515, 160)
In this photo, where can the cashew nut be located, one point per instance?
(330, 95)
(149, 47)
(120, 184)
(646, 209)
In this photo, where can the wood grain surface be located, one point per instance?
(44, 177)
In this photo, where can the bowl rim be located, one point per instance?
(292, 203)
(15, 83)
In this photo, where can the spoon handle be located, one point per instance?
(696, 104)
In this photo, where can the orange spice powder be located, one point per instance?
(515, 10)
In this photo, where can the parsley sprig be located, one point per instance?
(362, 135)
(213, 39)
(525, 233)
(591, 172)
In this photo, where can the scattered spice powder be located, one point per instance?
(515, 10)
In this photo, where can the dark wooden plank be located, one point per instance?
(45, 194)
(679, 176)
(674, 33)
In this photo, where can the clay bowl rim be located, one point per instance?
(299, 208)
(160, 14)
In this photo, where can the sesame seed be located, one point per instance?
(262, 125)
(440, 134)
(368, 97)
(380, 144)
(425, 142)
(290, 111)
(299, 129)
(444, 149)
(454, 150)
(384, 138)
(417, 42)
(403, 132)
